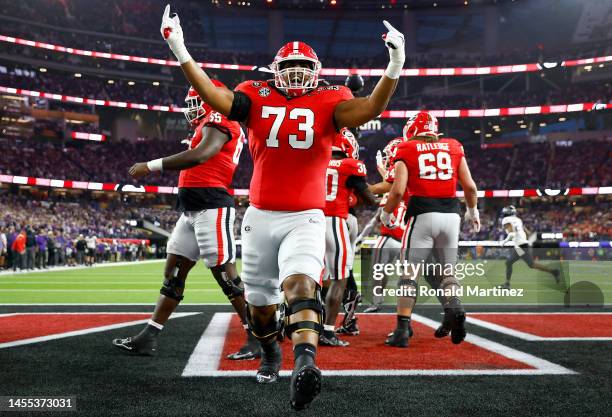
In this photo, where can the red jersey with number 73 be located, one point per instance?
(432, 166)
(290, 141)
(338, 191)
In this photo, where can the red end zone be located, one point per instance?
(368, 355)
(548, 326)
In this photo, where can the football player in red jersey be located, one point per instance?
(345, 174)
(206, 226)
(291, 122)
(430, 168)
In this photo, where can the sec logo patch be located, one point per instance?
(264, 92)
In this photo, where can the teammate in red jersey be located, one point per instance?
(291, 123)
(345, 174)
(430, 168)
(206, 226)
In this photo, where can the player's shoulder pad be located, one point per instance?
(404, 149)
(357, 167)
(506, 220)
(453, 143)
(251, 86)
(336, 91)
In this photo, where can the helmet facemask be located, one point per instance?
(194, 108)
(295, 80)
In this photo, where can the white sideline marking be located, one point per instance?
(101, 290)
(211, 344)
(104, 304)
(207, 353)
(530, 336)
(76, 268)
(84, 331)
(543, 312)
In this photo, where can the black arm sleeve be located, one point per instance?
(357, 183)
(240, 107)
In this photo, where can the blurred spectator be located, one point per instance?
(31, 248)
(19, 251)
(3, 247)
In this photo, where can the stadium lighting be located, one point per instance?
(42, 69)
(155, 83)
(131, 83)
(333, 2)
(465, 2)
(477, 131)
(435, 5)
(562, 119)
(542, 124)
(111, 81)
(77, 75)
(488, 135)
(523, 126)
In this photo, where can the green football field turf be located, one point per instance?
(589, 282)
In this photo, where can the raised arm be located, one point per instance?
(219, 98)
(357, 111)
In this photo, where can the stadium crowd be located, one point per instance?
(526, 165)
(38, 233)
(68, 231)
(165, 93)
(139, 21)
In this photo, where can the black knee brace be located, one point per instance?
(230, 287)
(263, 333)
(289, 309)
(170, 285)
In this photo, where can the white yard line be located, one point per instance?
(84, 331)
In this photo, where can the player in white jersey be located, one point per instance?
(513, 225)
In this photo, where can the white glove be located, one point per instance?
(173, 34)
(473, 217)
(388, 219)
(394, 40)
(379, 160)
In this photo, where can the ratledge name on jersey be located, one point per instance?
(424, 291)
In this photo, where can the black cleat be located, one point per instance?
(504, 286)
(453, 324)
(398, 338)
(328, 338)
(349, 329)
(251, 350)
(442, 331)
(143, 346)
(270, 364)
(305, 386)
(410, 332)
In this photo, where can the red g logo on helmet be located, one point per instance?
(421, 124)
(296, 69)
(346, 143)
